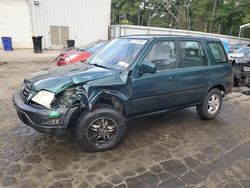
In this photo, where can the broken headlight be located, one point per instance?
(44, 98)
(71, 97)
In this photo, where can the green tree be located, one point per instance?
(216, 16)
(229, 17)
(177, 10)
(133, 10)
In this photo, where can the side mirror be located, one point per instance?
(147, 67)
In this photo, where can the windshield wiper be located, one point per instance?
(98, 65)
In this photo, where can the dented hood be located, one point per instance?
(60, 78)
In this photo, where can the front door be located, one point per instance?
(158, 91)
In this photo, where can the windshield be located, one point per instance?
(91, 45)
(118, 54)
(97, 47)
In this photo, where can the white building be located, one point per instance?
(56, 20)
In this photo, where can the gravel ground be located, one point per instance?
(174, 149)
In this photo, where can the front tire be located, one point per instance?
(101, 129)
(211, 105)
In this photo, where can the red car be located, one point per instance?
(79, 55)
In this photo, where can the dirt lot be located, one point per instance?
(175, 149)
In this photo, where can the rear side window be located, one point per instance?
(192, 54)
(218, 52)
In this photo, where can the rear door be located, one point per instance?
(195, 72)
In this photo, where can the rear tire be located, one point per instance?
(211, 105)
(101, 129)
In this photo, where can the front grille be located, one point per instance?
(26, 90)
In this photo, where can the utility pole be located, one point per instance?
(212, 16)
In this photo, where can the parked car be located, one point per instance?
(79, 55)
(235, 47)
(241, 70)
(130, 77)
(239, 53)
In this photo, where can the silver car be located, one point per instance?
(239, 53)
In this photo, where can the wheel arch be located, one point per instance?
(113, 98)
(220, 87)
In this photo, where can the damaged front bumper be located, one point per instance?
(41, 119)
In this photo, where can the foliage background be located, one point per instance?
(214, 16)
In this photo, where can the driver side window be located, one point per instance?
(163, 55)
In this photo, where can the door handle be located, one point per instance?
(208, 72)
(172, 78)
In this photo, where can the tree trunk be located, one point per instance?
(212, 17)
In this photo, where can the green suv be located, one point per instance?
(130, 77)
